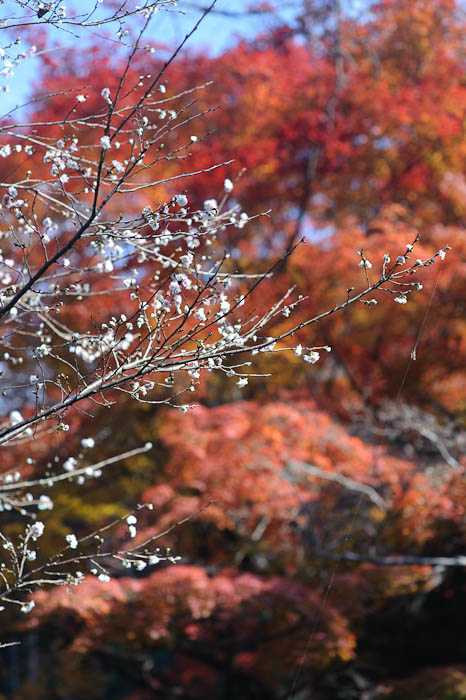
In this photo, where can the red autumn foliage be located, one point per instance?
(387, 154)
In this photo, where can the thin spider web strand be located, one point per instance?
(356, 513)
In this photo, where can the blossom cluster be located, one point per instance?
(114, 280)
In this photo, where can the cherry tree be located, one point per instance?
(114, 283)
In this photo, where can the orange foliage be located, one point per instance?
(185, 604)
(386, 162)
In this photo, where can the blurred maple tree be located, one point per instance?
(356, 141)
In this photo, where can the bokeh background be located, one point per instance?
(333, 485)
